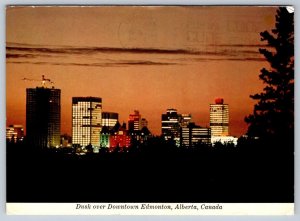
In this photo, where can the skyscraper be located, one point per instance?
(43, 117)
(86, 121)
(219, 118)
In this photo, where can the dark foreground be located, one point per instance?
(176, 176)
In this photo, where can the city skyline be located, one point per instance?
(81, 106)
(89, 89)
(109, 53)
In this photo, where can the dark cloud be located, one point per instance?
(115, 64)
(235, 52)
(8, 55)
(93, 50)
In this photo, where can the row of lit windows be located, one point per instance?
(219, 130)
(109, 122)
(77, 118)
(219, 113)
(219, 117)
(218, 127)
(86, 113)
(169, 122)
(219, 121)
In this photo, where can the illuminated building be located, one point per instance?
(135, 126)
(14, 133)
(134, 121)
(192, 134)
(86, 121)
(224, 140)
(117, 137)
(170, 127)
(11, 134)
(43, 117)
(105, 137)
(109, 119)
(120, 139)
(219, 118)
(179, 128)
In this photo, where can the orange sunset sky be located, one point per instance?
(138, 58)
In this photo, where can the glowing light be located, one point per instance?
(290, 9)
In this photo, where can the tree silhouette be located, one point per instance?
(273, 115)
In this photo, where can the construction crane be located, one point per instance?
(43, 81)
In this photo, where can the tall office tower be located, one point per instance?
(86, 121)
(109, 119)
(219, 118)
(170, 125)
(134, 121)
(43, 117)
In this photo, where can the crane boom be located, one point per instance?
(43, 81)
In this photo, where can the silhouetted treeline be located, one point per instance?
(156, 171)
(272, 119)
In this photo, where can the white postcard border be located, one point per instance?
(12, 208)
(210, 209)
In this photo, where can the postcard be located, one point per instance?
(150, 110)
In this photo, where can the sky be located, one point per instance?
(138, 58)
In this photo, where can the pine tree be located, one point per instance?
(273, 115)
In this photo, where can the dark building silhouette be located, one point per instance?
(144, 123)
(43, 117)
